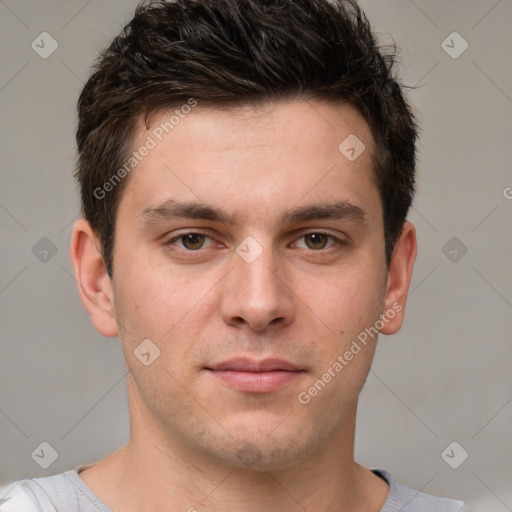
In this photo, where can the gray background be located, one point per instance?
(445, 377)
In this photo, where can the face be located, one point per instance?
(250, 252)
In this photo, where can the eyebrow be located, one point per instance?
(172, 209)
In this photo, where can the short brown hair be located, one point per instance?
(235, 52)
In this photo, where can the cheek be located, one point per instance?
(154, 296)
(156, 302)
(346, 302)
(346, 309)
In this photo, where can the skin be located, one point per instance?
(196, 443)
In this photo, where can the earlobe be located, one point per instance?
(93, 281)
(399, 279)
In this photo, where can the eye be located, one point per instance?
(190, 241)
(318, 240)
(195, 241)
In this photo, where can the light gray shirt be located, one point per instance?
(67, 492)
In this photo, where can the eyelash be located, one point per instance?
(339, 242)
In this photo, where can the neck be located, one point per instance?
(155, 471)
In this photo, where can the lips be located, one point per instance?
(250, 365)
(252, 376)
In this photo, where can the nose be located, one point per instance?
(256, 294)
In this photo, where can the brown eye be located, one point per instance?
(316, 240)
(189, 242)
(192, 241)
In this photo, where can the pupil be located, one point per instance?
(193, 240)
(317, 239)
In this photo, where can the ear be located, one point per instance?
(399, 278)
(93, 281)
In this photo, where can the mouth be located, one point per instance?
(253, 376)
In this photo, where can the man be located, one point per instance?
(246, 168)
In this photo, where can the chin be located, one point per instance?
(266, 452)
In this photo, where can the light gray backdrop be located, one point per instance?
(446, 377)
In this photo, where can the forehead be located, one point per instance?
(254, 159)
(306, 124)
